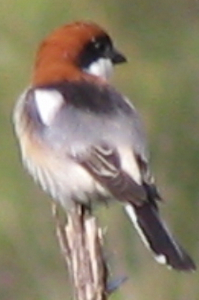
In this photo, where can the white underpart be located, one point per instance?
(132, 215)
(103, 67)
(48, 103)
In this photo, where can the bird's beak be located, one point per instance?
(117, 57)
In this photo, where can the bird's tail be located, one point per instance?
(157, 238)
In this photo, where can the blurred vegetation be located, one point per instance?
(161, 40)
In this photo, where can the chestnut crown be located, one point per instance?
(73, 50)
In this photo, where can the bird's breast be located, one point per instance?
(59, 175)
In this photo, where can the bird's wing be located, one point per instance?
(104, 163)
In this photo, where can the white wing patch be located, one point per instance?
(48, 103)
(103, 67)
(129, 164)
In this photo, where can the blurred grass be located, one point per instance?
(161, 41)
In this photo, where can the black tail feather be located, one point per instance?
(157, 237)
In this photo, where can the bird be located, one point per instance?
(83, 141)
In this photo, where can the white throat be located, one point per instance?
(103, 67)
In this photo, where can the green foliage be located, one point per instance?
(161, 40)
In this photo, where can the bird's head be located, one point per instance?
(73, 51)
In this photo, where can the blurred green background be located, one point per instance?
(161, 41)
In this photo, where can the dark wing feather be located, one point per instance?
(148, 180)
(103, 163)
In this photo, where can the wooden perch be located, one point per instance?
(80, 241)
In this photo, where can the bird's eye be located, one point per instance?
(99, 46)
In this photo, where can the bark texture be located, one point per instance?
(81, 243)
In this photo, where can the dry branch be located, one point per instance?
(80, 240)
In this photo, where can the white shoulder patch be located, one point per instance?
(48, 103)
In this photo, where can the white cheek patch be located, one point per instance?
(103, 67)
(48, 104)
